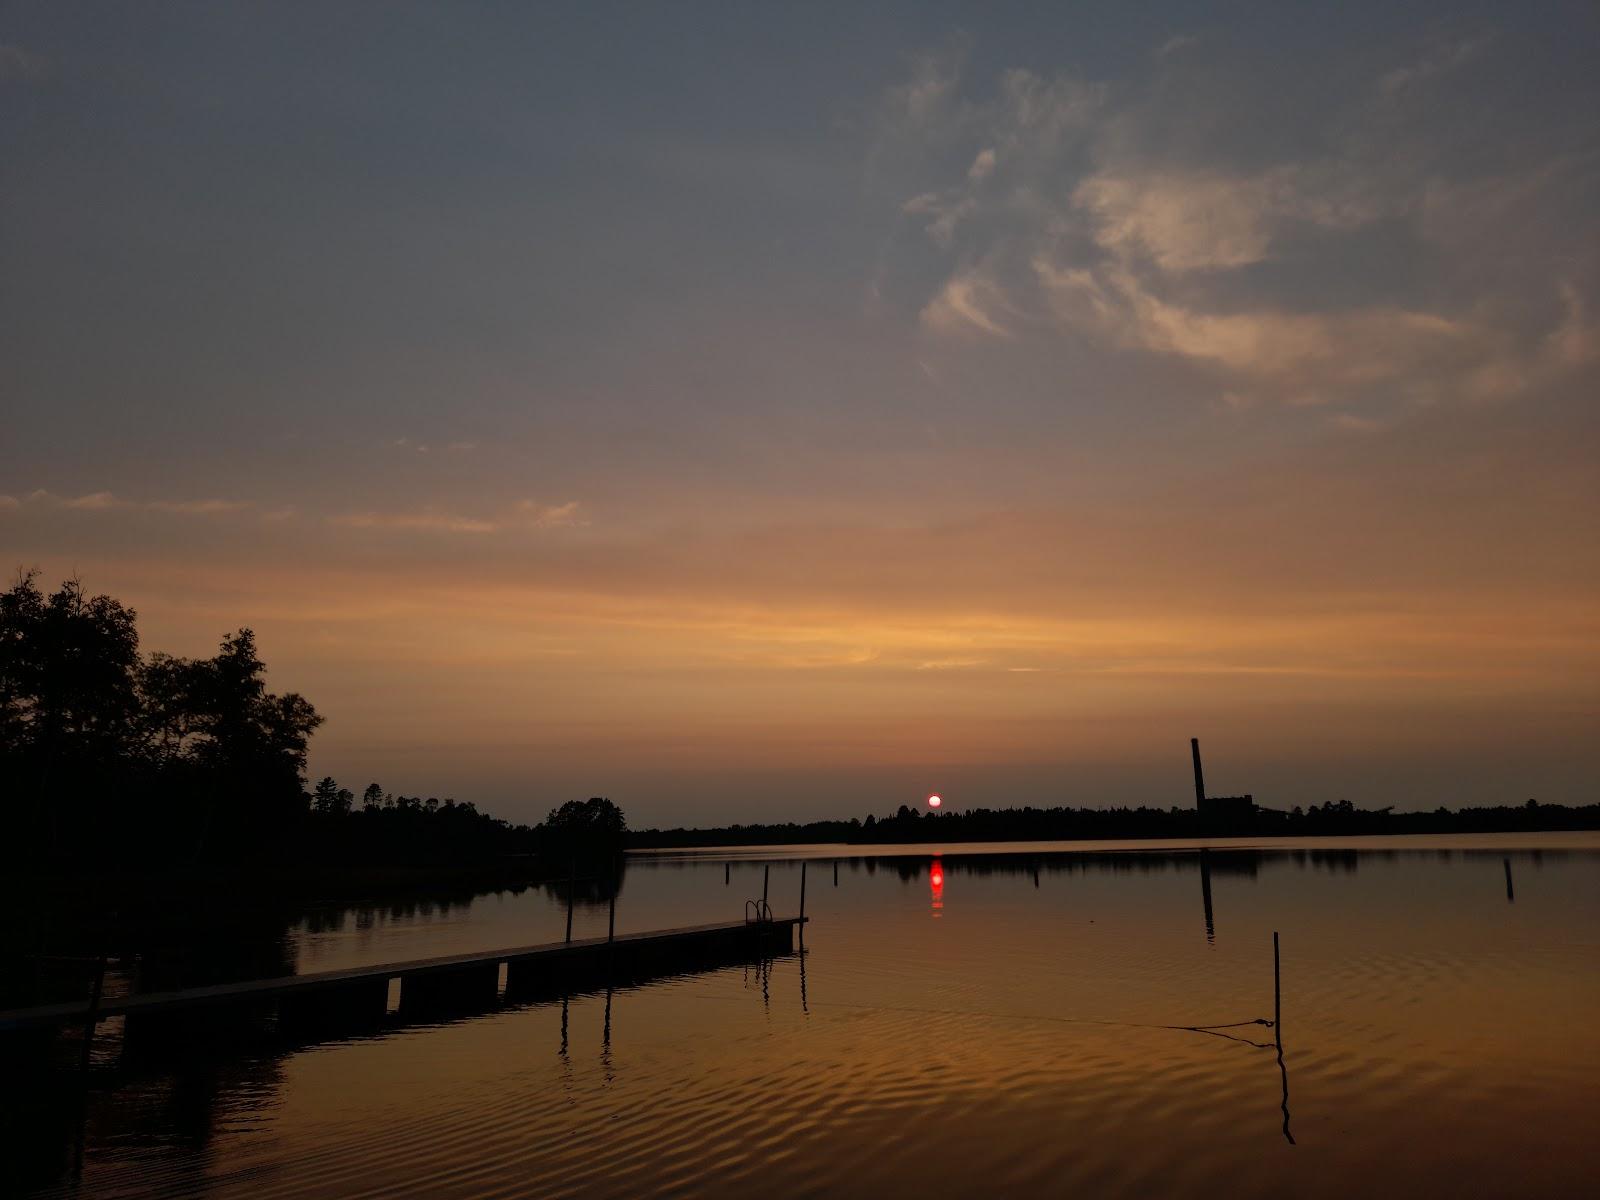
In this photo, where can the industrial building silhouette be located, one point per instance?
(1218, 809)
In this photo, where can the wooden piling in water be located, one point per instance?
(1511, 896)
(611, 920)
(572, 886)
(766, 877)
(802, 890)
(94, 1013)
(456, 989)
(360, 1004)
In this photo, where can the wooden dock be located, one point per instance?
(456, 980)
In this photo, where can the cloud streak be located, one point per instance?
(524, 515)
(109, 502)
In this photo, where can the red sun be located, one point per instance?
(934, 801)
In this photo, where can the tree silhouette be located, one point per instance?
(68, 696)
(589, 829)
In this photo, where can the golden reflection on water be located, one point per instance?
(1073, 1024)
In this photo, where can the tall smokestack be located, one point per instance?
(1199, 776)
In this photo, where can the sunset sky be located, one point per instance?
(757, 412)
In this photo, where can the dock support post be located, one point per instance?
(802, 890)
(94, 1013)
(572, 886)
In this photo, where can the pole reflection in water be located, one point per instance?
(804, 1007)
(605, 1043)
(936, 883)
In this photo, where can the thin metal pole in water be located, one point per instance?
(1277, 1029)
(727, 874)
(1277, 993)
(766, 876)
(802, 897)
(572, 886)
(1510, 895)
(836, 872)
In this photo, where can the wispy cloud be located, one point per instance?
(198, 507)
(420, 447)
(970, 303)
(521, 515)
(1175, 43)
(1437, 59)
(524, 514)
(1199, 220)
(1066, 221)
(108, 501)
(423, 521)
(550, 516)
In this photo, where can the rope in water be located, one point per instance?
(959, 1012)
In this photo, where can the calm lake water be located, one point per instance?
(981, 1021)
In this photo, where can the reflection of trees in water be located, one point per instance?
(1244, 863)
(371, 914)
(913, 868)
(50, 956)
(590, 884)
(165, 1089)
(163, 1082)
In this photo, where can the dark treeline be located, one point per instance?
(119, 763)
(1076, 824)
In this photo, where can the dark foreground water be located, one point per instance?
(967, 1023)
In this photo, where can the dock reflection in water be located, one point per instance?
(1065, 1026)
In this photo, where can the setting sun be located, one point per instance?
(934, 801)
